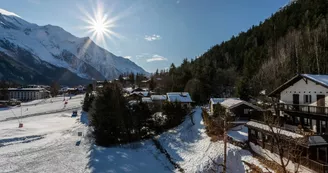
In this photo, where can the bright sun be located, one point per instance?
(99, 25)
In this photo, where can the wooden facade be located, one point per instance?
(311, 157)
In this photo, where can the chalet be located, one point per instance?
(239, 109)
(303, 113)
(180, 97)
(146, 100)
(158, 99)
(135, 96)
(214, 101)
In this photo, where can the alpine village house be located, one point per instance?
(303, 113)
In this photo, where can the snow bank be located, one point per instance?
(190, 147)
(239, 133)
(138, 157)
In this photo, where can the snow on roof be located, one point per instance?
(322, 79)
(219, 100)
(142, 93)
(182, 97)
(233, 102)
(25, 89)
(158, 97)
(276, 130)
(216, 100)
(128, 89)
(146, 100)
(145, 81)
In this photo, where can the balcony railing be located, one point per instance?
(320, 110)
(314, 165)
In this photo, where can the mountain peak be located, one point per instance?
(8, 13)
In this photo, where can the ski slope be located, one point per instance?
(45, 144)
(45, 106)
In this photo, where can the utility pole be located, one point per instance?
(225, 143)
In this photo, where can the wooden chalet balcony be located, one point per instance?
(318, 110)
(314, 165)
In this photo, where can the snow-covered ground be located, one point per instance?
(45, 144)
(239, 133)
(50, 143)
(191, 148)
(41, 106)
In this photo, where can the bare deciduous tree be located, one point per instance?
(287, 147)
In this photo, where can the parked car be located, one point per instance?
(74, 114)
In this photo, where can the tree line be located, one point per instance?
(117, 120)
(293, 40)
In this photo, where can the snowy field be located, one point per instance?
(50, 143)
(45, 144)
(41, 106)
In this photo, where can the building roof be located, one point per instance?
(158, 97)
(318, 79)
(233, 102)
(145, 81)
(142, 93)
(146, 100)
(26, 89)
(276, 130)
(137, 89)
(219, 100)
(182, 97)
(318, 140)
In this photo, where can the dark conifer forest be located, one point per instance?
(293, 40)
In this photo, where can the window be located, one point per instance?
(259, 136)
(323, 126)
(307, 99)
(322, 154)
(306, 122)
(253, 132)
(267, 138)
(247, 111)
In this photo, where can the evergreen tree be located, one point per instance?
(152, 84)
(86, 102)
(110, 116)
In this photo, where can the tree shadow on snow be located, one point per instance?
(137, 157)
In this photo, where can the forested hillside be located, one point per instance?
(293, 40)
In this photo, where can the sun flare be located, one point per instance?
(99, 24)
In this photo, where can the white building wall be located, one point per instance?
(302, 88)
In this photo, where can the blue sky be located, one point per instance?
(152, 33)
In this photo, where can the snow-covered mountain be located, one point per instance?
(53, 46)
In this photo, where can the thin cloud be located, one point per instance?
(178, 1)
(156, 58)
(128, 57)
(34, 1)
(152, 37)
